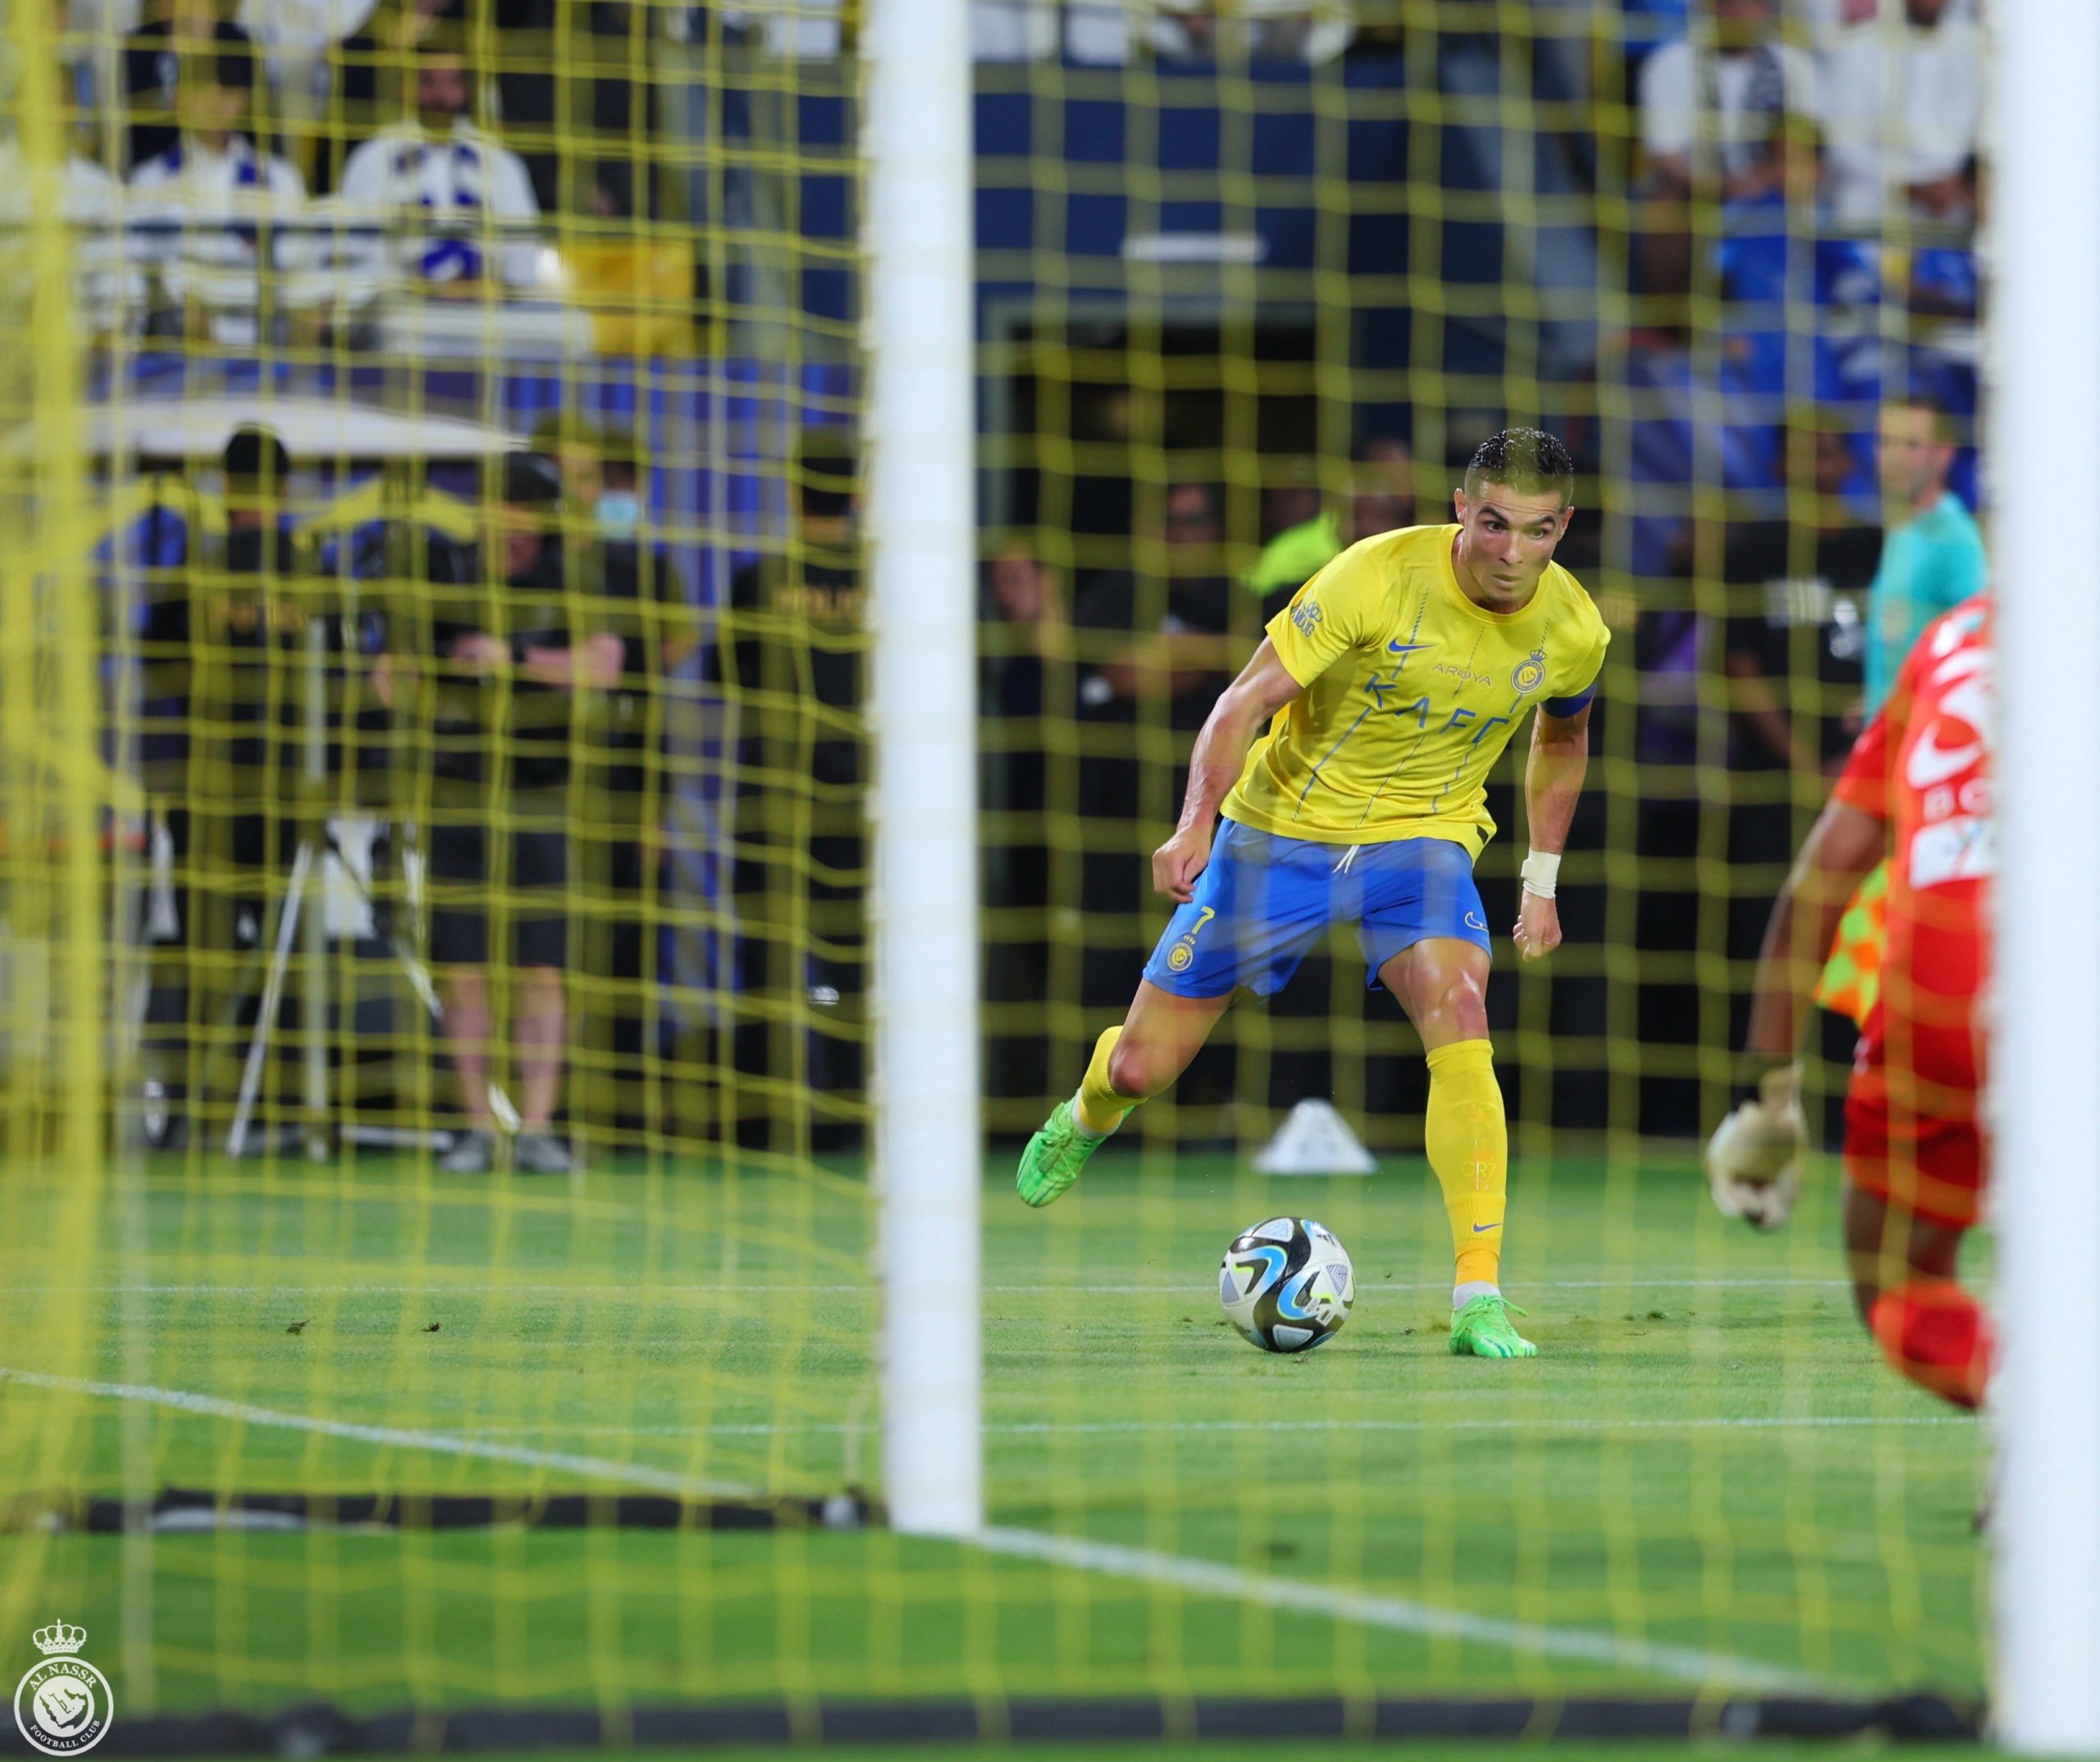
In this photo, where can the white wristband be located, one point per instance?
(1542, 870)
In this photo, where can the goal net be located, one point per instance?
(439, 623)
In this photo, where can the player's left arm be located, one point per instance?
(1553, 783)
(1843, 846)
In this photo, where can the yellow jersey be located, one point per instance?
(1411, 693)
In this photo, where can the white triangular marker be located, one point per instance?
(1314, 1139)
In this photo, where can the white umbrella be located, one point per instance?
(316, 430)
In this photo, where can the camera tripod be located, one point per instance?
(302, 921)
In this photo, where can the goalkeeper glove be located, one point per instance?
(1754, 1158)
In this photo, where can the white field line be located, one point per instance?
(1337, 1603)
(1633, 1284)
(1268, 1426)
(397, 1437)
(1342, 1603)
(473, 1440)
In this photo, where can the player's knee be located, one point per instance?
(1138, 1070)
(1458, 1007)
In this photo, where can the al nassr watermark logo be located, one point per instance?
(63, 1706)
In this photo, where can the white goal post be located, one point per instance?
(2045, 440)
(920, 323)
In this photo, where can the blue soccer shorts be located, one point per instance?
(1264, 901)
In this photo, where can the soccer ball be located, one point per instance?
(1287, 1284)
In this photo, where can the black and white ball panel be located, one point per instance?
(1287, 1283)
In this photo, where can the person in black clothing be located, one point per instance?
(231, 641)
(1795, 637)
(234, 634)
(1794, 647)
(509, 675)
(1027, 698)
(1151, 650)
(619, 860)
(791, 655)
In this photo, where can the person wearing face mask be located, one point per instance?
(619, 498)
(506, 658)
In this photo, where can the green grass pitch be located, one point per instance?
(1707, 1462)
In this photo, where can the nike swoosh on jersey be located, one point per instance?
(1398, 647)
(1929, 763)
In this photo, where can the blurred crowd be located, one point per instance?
(1775, 409)
(274, 170)
(456, 761)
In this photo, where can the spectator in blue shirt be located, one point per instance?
(1933, 558)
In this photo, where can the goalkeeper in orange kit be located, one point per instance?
(1916, 789)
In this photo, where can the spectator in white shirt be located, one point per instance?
(1905, 116)
(1735, 91)
(438, 167)
(1826, 19)
(293, 37)
(91, 202)
(204, 197)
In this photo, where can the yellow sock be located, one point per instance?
(1096, 1107)
(1468, 1144)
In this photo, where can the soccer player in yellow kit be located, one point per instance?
(1390, 686)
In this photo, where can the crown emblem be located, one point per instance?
(59, 1637)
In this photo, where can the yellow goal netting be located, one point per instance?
(436, 1224)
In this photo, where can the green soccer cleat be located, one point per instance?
(1054, 1158)
(1481, 1329)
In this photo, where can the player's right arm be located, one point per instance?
(1330, 616)
(1841, 851)
(1264, 686)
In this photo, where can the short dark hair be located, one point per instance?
(231, 59)
(619, 450)
(1946, 429)
(531, 480)
(1526, 459)
(255, 457)
(229, 62)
